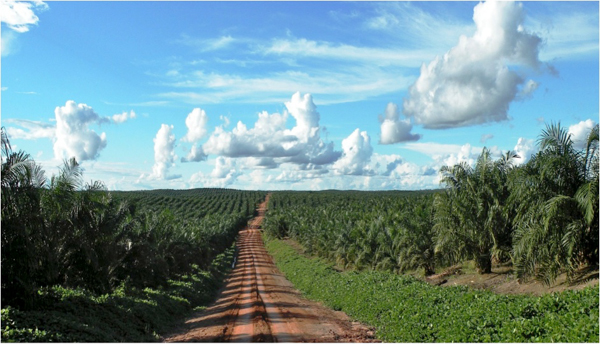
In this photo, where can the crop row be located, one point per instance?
(540, 217)
(194, 203)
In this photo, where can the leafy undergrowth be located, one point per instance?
(404, 309)
(126, 315)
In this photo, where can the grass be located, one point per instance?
(405, 309)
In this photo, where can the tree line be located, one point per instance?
(65, 232)
(541, 217)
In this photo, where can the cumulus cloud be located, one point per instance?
(262, 163)
(124, 116)
(164, 154)
(269, 138)
(579, 133)
(196, 125)
(196, 154)
(224, 174)
(70, 134)
(73, 138)
(290, 176)
(524, 148)
(224, 167)
(450, 154)
(472, 83)
(356, 154)
(19, 15)
(393, 129)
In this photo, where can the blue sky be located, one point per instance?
(291, 95)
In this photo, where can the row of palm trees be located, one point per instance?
(358, 230)
(541, 217)
(65, 232)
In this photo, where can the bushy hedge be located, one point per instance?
(126, 315)
(404, 309)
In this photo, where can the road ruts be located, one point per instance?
(258, 304)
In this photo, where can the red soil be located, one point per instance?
(258, 304)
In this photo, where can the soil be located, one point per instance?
(258, 304)
(503, 281)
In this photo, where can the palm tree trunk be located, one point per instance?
(484, 263)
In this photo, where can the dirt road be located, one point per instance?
(258, 304)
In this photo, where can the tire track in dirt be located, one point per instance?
(258, 304)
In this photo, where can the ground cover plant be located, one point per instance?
(405, 309)
(127, 314)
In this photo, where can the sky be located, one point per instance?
(291, 95)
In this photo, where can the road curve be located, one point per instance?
(258, 304)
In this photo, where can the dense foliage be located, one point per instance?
(404, 309)
(69, 236)
(542, 217)
(362, 230)
(127, 314)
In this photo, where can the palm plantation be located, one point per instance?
(65, 237)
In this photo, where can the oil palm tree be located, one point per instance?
(556, 200)
(471, 221)
(21, 182)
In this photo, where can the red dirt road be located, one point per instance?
(258, 304)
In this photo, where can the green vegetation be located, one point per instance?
(73, 250)
(83, 264)
(361, 230)
(127, 314)
(541, 217)
(404, 309)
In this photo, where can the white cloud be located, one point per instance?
(71, 134)
(472, 83)
(305, 113)
(260, 163)
(356, 154)
(269, 137)
(524, 148)
(224, 167)
(19, 15)
(393, 129)
(196, 154)
(579, 133)
(528, 89)
(568, 31)
(209, 44)
(196, 125)
(164, 154)
(449, 154)
(407, 22)
(124, 116)
(342, 52)
(73, 138)
(224, 174)
(291, 176)
(35, 129)
(8, 42)
(333, 85)
(465, 154)
(486, 137)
